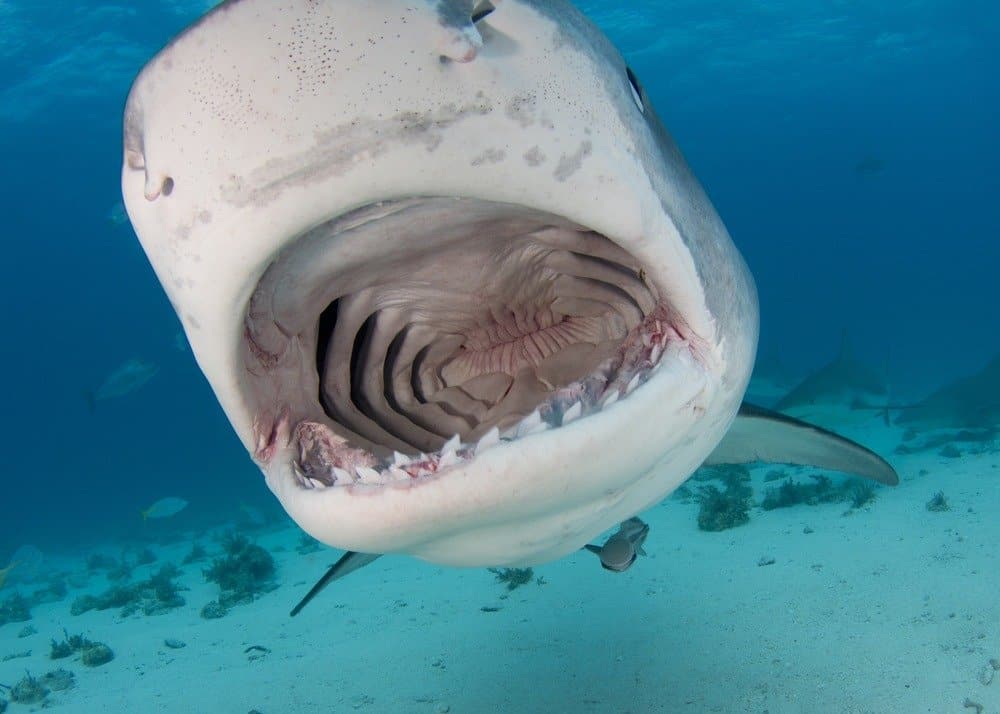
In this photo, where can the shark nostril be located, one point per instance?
(167, 187)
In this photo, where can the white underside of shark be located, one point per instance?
(448, 276)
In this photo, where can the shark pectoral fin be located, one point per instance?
(348, 563)
(760, 434)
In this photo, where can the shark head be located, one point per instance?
(448, 275)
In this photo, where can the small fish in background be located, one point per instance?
(129, 377)
(4, 571)
(117, 215)
(164, 508)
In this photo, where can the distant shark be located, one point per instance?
(845, 380)
(450, 278)
(970, 402)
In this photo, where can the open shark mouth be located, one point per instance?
(388, 345)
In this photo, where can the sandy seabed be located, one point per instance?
(886, 608)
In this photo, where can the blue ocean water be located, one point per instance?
(850, 147)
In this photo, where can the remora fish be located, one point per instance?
(449, 277)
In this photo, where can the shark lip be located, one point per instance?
(391, 345)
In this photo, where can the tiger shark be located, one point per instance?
(449, 277)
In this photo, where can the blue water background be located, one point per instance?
(774, 105)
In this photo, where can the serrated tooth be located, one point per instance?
(367, 474)
(490, 438)
(449, 458)
(315, 483)
(654, 356)
(342, 475)
(610, 399)
(632, 384)
(398, 474)
(452, 444)
(573, 413)
(529, 423)
(537, 428)
(399, 459)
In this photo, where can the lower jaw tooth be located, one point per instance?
(342, 476)
(573, 413)
(490, 438)
(610, 399)
(315, 484)
(368, 475)
(398, 474)
(535, 429)
(448, 458)
(633, 383)
(399, 459)
(654, 357)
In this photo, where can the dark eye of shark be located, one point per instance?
(482, 10)
(636, 89)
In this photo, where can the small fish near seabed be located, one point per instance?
(164, 508)
(129, 377)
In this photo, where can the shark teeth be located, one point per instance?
(452, 445)
(490, 438)
(606, 381)
(399, 459)
(342, 476)
(368, 475)
(573, 413)
(398, 474)
(529, 424)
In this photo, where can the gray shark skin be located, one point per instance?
(446, 272)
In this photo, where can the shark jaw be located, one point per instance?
(472, 382)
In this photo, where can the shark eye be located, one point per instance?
(481, 10)
(636, 88)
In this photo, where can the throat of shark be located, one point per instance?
(388, 346)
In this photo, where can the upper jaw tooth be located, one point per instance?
(633, 383)
(529, 424)
(610, 399)
(452, 445)
(573, 413)
(399, 459)
(368, 475)
(488, 439)
(342, 475)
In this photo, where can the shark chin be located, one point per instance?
(447, 274)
